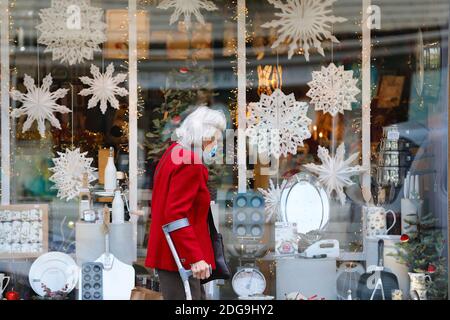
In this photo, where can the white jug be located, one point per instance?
(419, 282)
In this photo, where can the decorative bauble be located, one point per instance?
(12, 295)
(431, 268)
(404, 238)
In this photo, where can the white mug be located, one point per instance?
(376, 221)
(3, 286)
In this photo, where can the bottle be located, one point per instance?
(118, 211)
(84, 196)
(110, 172)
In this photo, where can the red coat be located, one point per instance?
(180, 191)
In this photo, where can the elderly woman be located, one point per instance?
(180, 191)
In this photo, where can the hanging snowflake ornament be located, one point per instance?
(304, 24)
(278, 124)
(272, 198)
(72, 30)
(332, 89)
(335, 172)
(104, 87)
(187, 8)
(68, 173)
(39, 104)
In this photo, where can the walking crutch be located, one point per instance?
(184, 274)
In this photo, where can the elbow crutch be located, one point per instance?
(184, 274)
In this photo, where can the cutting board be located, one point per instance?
(117, 281)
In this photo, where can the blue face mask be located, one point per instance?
(212, 153)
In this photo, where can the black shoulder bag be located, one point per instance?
(222, 270)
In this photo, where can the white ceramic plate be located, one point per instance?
(54, 270)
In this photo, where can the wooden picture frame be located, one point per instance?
(43, 208)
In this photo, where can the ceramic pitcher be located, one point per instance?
(419, 282)
(376, 220)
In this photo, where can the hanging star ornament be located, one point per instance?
(304, 24)
(68, 173)
(104, 87)
(278, 124)
(39, 104)
(335, 172)
(72, 30)
(187, 8)
(332, 90)
(272, 199)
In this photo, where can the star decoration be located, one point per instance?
(104, 87)
(332, 89)
(187, 8)
(68, 173)
(335, 172)
(39, 104)
(72, 30)
(303, 24)
(272, 198)
(278, 124)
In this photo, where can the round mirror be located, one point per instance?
(305, 202)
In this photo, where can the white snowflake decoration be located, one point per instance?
(303, 24)
(104, 87)
(187, 8)
(333, 89)
(39, 104)
(272, 198)
(72, 30)
(68, 173)
(335, 172)
(278, 124)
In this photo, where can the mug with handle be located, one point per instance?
(3, 286)
(376, 224)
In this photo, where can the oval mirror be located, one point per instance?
(305, 202)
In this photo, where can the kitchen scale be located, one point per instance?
(249, 284)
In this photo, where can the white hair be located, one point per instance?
(202, 124)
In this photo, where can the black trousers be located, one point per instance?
(172, 287)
